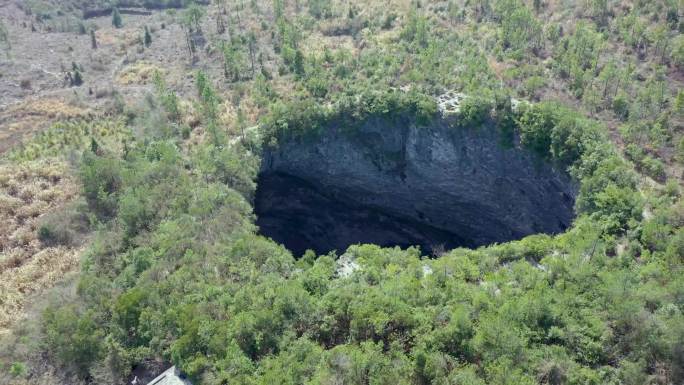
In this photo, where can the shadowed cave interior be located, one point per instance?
(298, 215)
(395, 185)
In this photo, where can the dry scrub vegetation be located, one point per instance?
(42, 224)
(141, 72)
(30, 116)
(31, 196)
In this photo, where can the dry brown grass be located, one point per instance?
(20, 120)
(139, 73)
(47, 108)
(29, 191)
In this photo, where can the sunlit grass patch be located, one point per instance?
(73, 136)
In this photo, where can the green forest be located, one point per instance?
(174, 268)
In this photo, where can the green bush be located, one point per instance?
(621, 106)
(474, 111)
(65, 227)
(617, 207)
(50, 235)
(307, 118)
(102, 180)
(18, 369)
(645, 163)
(653, 168)
(73, 338)
(117, 22)
(536, 125)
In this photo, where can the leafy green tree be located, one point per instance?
(229, 167)
(102, 181)
(520, 30)
(278, 7)
(193, 16)
(320, 8)
(577, 56)
(660, 41)
(474, 111)
(599, 10)
(191, 22)
(536, 127)
(168, 98)
(616, 207)
(208, 97)
(655, 235)
(76, 79)
(497, 338)
(298, 64)
(233, 61)
(416, 29)
(73, 338)
(621, 106)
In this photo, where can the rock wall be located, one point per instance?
(452, 186)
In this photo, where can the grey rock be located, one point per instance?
(459, 180)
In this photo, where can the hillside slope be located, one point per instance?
(135, 141)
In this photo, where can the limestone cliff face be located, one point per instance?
(450, 180)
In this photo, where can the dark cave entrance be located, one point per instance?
(300, 216)
(392, 183)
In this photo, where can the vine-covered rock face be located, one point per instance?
(393, 183)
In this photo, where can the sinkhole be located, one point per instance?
(391, 183)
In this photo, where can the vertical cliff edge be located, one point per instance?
(391, 182)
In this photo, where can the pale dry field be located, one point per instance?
(30, 191)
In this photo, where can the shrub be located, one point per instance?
(680, 150)
(532, 85)
(320, 8)
(474, 111)
(64, 227)
(621, 106)
(535, 126)
(653, 168)
(147, 39)
(18, 369)
(101, 178)
(645, 163)
(426, 109)
(616, 207)
(50, 235)
(73, 338)
(117, 22)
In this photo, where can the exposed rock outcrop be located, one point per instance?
(393, 183)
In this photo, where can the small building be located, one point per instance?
(170, 376)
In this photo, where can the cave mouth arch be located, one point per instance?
(392, 183)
